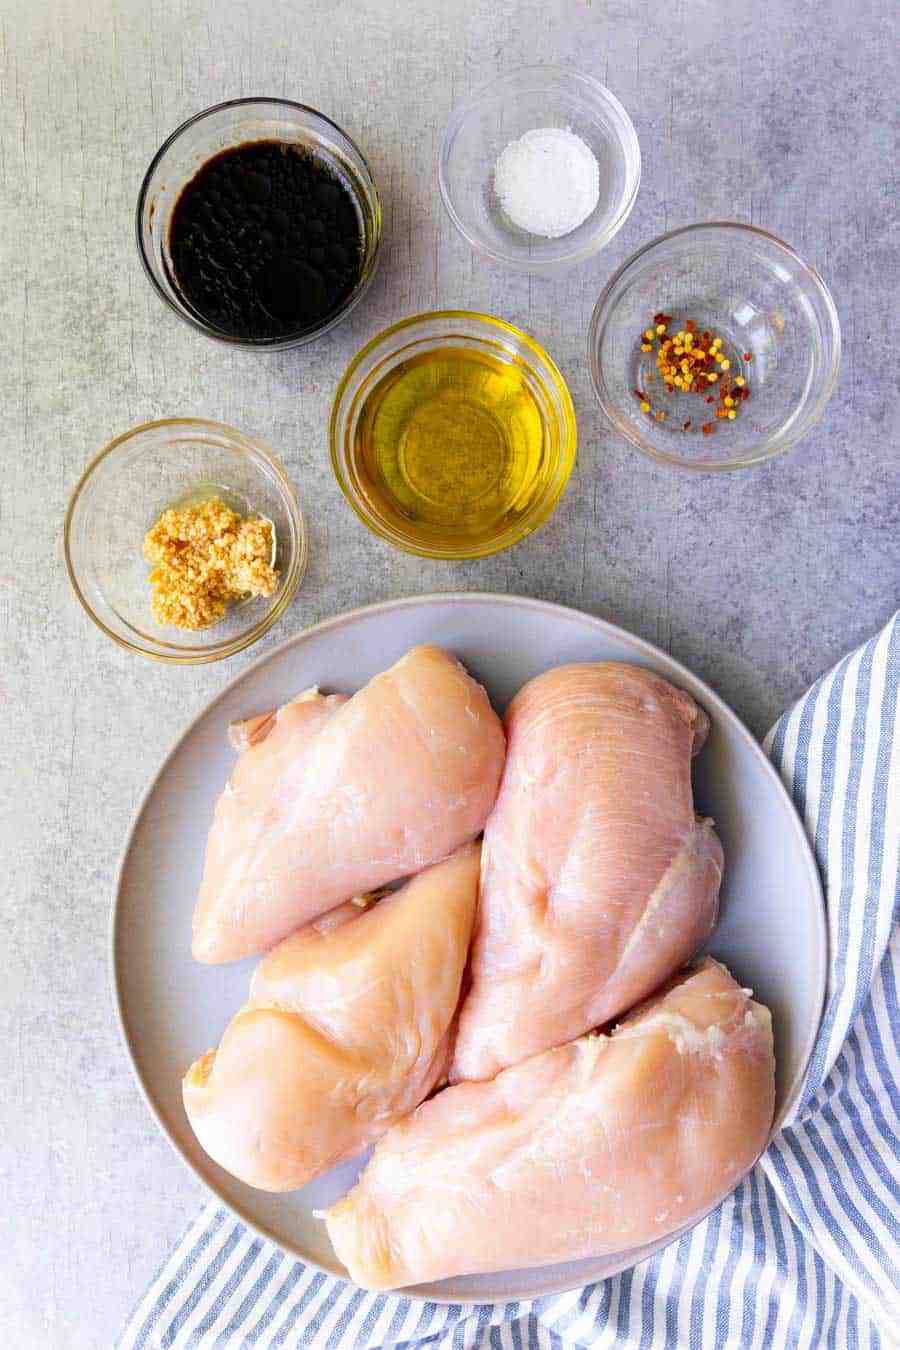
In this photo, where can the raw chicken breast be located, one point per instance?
(598, 1146)
(346, 1031)
(597, 879)
(334, 797)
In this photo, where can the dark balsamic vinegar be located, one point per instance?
(266, 241)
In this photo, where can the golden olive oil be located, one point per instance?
(452, 443)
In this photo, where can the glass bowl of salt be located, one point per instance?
(539, 169)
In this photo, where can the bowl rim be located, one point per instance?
(293, 577)
(598, 238)
(289, 340)
(568, 426)
(782, 442)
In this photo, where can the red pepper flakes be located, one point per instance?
(690, 363)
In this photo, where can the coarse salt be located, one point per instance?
(547, 181)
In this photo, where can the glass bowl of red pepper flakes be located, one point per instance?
(715, 347)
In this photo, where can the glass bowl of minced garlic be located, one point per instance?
(184, 540)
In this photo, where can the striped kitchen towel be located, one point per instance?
(805, 1253)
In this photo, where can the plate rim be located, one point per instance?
(571, 614)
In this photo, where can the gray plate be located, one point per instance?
(771, 934)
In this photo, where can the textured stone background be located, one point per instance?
(774, 113)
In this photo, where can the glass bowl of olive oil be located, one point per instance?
(453, 435)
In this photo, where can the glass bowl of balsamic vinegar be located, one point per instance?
(259, 223)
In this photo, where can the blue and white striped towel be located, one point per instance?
(805, 1253)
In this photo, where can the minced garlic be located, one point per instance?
(205, 557)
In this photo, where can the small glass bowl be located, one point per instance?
(483, 335)
(222, 127)
(779, 327)
(122, 493)
(484, 124)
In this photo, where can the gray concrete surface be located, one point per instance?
(777, 114)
